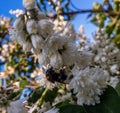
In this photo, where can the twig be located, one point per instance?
(85, 11)
(32, 82)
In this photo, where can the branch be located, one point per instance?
(85, 11)
(2, 63)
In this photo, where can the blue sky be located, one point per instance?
(80, 19)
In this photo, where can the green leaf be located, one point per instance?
(48, 96)
(23, 83)
(118, 88)
(100, 108)
(110, 91)
(69, 108)
(97, 6)
(36, 95)
(112, 103)
(51, 95)
(116, 5)
(62, 103)
(13, 95)
(110, 28)
(116, 40)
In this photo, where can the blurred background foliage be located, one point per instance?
(109, 19)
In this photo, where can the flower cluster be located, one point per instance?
(4, 25)
(88, 84)
(106, 54)
(17, 12)
(87, 72)
(37, 34)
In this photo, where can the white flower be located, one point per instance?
(45, 28)
(53, 110)
(17, 12)
(45, 107)
(62, 97)
(89, 84)
(32, 27)
(84, 58)
(28, 4)
(106, 54)
(114, 68)
(16, 107)
(97, 58)
(69, 54)
(55, 43)
(27, 46)
(67, 28)
(42, 16)
(114, 81)
(103, 59)
(56, 60)
(19, 23)
(45, 83)
(20, 37)
(116, 50)
(81, 29)
(43, 59)
(34, 108)
(37, 42)
(12, 33)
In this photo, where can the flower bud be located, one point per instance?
(28, 4)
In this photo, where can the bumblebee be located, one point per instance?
(56, 76)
